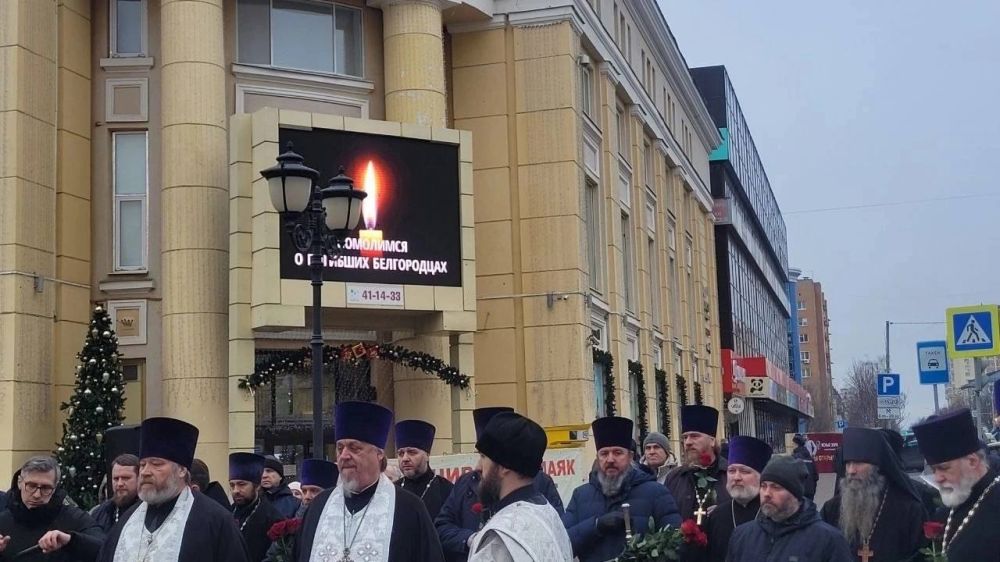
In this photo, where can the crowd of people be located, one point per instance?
(748, 505)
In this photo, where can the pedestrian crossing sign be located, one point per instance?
(973, 331)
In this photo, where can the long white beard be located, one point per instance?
(954, 497)
(743, 494)
(860, 501)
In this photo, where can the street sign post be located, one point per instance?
(840, 425)
(932, 363)
(973, 331)
(890, 400)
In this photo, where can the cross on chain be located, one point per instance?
(700, 513)
(865, 553)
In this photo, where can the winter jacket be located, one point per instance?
(3, 501)
(803, 455)
(803, 537)
(283, 500)
(456, 521)
(646, 498)
(26, 526)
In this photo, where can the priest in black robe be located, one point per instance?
(970, 488)
(171, 523)
(366, 517)
(414, 439)
(253, 513)
(698, 427)
(747, 458)
(878, 508)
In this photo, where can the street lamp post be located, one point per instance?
(318, 220)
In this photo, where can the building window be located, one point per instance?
(654, 282)
(128, 28)
(600, 400)
(803, 321)
(587, 89)
(621, 123)
(802, 305)
(628, 263)
(803, 338)
(805, 356)
(595, 248)
(806, 373)
(130, 180)
(647, 162)
(309, 35)
(672, 277)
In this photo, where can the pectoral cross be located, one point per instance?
(866, 553)
(699, 514)
(347, 556)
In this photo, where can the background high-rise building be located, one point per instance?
(814, 345)
(751, 252)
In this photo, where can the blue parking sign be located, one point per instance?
(888, 384)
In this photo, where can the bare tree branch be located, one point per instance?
(861, 396)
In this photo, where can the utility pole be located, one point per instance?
(888, 323)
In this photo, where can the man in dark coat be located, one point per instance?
(201, 481)
(252, 512)
(970, 488)
(366, 517)
(36, 518)
(275, 488)
(594, 518)
(3, 500)
(802, 453)
(414, 439)
(878, 509)
(788, 528)
(747, 458)
(463, 514)
(698, 426)
(125, 490)
(196, 527)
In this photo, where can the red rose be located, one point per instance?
(477, 508)
(933, 530)
(692, 533)
(705, 459)
(689, 528)
(277, 530)
(292, 526)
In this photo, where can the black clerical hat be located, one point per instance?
(363, 421)
(482, 416)
(170, 439)
(120, 440)
(861, 444)
(246, 466)
(947, 437)
(703, 419)
(515, 442)
(415, 433)
(612, 431)
(749, 451)
(318, 472)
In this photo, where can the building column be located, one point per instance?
(195, 211)
(414, 62)
(29, 45)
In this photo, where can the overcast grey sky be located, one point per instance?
(859, 102)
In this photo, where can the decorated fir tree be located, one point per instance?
(97, 404)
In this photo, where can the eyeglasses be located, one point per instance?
(43, 490)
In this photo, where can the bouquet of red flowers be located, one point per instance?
(934, 532)
(663, 544)
(282, 534)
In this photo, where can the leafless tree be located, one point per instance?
(860, 396)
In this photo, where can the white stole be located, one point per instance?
(163, 545)
(534, 531)
(373, 535)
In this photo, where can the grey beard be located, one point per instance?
(860, 501)
(611, 485)
(743, 494)
(157, 497)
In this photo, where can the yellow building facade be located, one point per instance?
(131, 137)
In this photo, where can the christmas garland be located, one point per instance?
(663, 400)
(635, 368)
(682, 390)
(604, 358)
(271, 364)
(698, 398)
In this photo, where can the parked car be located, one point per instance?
(913, 461)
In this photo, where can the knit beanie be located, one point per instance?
(657, 438)
(787, 472)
